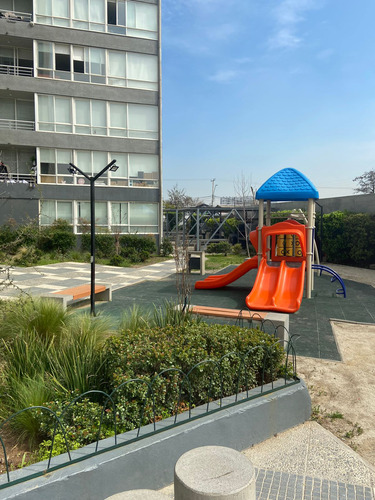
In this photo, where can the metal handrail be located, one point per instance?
(12, 15)
(7, 69)
(16, 124)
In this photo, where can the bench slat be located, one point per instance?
(81, 291)
(227, 313)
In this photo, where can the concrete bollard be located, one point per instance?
(138, 495)
(214, 473)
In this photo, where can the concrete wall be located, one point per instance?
(149, 462)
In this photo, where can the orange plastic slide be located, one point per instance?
(220, 280)
(277, 288)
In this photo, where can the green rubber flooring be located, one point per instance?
(311, 322)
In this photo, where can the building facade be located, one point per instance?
(80, 83)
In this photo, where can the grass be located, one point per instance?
(215, 262)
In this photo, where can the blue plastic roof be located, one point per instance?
(287, 184)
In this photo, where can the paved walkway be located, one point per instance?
(304, 463)
(40, 280)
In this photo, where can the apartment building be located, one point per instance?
(80, 82)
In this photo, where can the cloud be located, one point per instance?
(224, 76)
(289, 14)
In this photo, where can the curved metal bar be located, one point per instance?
(6, 458)
(166, 370)
(57, 419)
(209, 388)
(336, 276)
(233, 353)
(123, 384)
(264, 321)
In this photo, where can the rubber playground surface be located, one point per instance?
(311, 322)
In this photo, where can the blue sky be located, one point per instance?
(253, 86)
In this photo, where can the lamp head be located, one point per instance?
(114, 168)
(72, 170)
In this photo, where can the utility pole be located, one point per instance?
(214, 186)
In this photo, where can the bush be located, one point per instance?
(145, 352)
(237, 249)
(117, 260)
(221, 247)
(57, 237)
(349, 238)
(136, 248)
(166, 247)
(104, 245)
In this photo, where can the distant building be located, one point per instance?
(234, 201)
(81, 84)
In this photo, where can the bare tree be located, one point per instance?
(244, 191)
(177, 198)
(366, 182)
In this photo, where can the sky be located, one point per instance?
(254, 86)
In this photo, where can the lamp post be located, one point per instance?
(73, 169)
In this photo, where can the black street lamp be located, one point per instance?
(73, 170)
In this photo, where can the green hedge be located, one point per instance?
(349, 238)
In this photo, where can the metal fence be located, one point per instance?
(16, 124)
(7, 69)
(216, 401)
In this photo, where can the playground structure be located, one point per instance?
(285, 251)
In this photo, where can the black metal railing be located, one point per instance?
(217, 399)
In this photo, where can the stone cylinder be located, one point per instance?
(214, 473)
(138, 495)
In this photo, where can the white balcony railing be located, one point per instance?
(12, 15)
(6, 69)
(16, 124)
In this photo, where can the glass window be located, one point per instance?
(47, 212)
(97, 65)
(63, 114)
(46, 112)
(143, 214)
(63, 160)
(80, 14)
(64, 210)
(60, 10)
(116, 68)
(97, 11)
(122, 163)
(99, 117)
(119, 214)
(47, 161)
(6, 56)
(84, 161)
(143, 166)
(62, 61)
(142, 68)
(117, 113)
(99, 161)
(45, 59)
(143, 121)
(144, 17)
(111, 13)
(82, 108)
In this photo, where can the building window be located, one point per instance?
(51, 210)
(122, 17)
(92, 65)
(134, 169)
(95, 117)
(143, 218)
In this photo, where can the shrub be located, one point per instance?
(104, 244)
(136, 248)
(237, 249)
(166, 247)
(221, 247)
(349, 238)
(117, 260)
(57, 237)
(144, 352)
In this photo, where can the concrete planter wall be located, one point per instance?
(149, 462)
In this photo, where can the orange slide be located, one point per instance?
(277, 288)
(220, 280)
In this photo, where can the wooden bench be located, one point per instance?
(72, 295)
(278, 319)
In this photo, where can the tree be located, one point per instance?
(366, 182)
(177, 198)
(244, 190)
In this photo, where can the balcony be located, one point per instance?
(6, 124)
(14, 16)
(6, 69)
